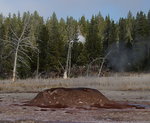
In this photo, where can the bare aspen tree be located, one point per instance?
(38, 64)
(101, 66)
(68, 62)
(103, 61)
(20, 44)
(89, 65)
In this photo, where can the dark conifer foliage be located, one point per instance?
(127, 41)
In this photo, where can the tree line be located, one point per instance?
(41, 46)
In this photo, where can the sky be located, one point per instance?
(75, 8)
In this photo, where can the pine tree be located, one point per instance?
(55, 44)
(129, 30)
(36, 26)
(43, 48)
(72, 27)
(64, 39)
(6, 50)
(148, 17)
(83, 26)
(107, 34)
(141, 25)
(93, 41)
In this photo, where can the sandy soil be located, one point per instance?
(11, 111)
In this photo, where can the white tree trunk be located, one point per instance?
(37, 69)
(15, 65)
(65, 75)
(100, 70)
(20, 43)
(68, 62)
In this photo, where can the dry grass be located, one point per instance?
(134, 82)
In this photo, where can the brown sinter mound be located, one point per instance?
(73, 97)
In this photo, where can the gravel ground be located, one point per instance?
(12, 112)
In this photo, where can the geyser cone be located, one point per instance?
(69, 97)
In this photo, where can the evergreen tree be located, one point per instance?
(43, 49)
(72, 27)
(93, 41)
(55, 44)
(148, 17)
(107, 34)
(128, 38)
(36, 27)
(129, 28)
(141, 25)
(83, 26)
(64, 39)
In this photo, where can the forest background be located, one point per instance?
(43, 53)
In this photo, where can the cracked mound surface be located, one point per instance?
(74, 97)
(69, 97)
